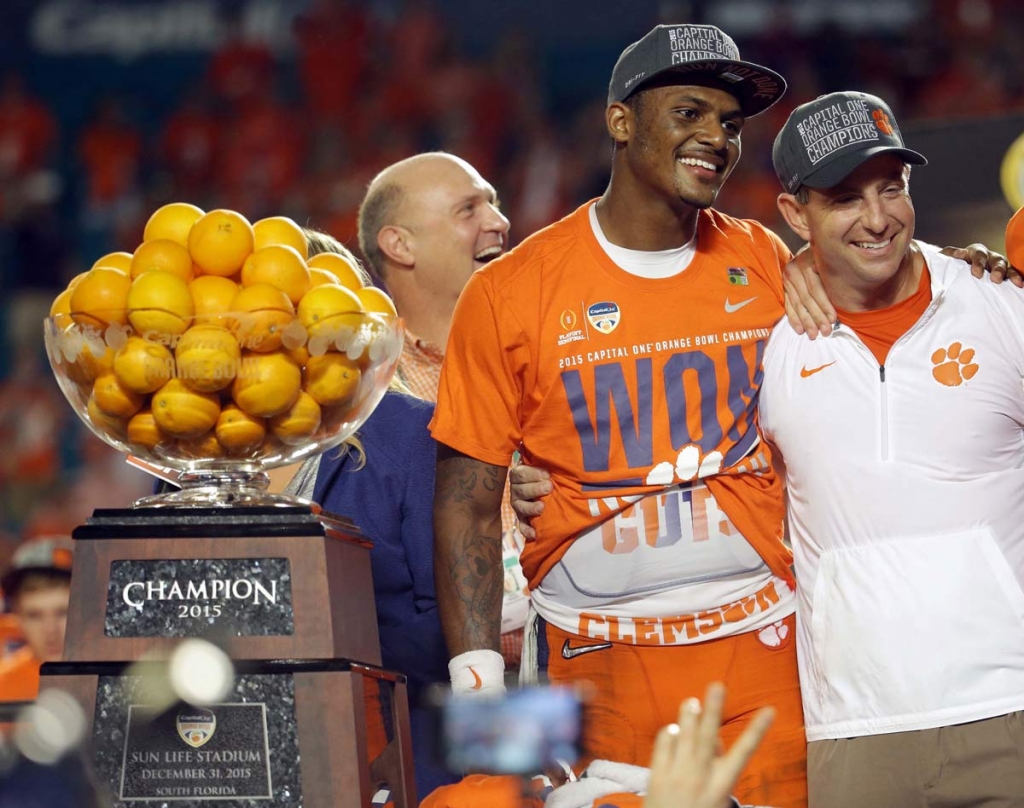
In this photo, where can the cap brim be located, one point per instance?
(754, 86)
(840, 168)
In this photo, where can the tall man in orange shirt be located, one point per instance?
(37, 587)
(621, 349)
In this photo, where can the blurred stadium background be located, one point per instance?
(110, 109)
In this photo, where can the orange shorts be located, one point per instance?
(634, 690)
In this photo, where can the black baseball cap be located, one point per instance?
(696, 54)
(826, 139)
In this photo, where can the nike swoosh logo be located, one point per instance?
(731, 307)
(804, 372)
(477, 683)
(568, 652)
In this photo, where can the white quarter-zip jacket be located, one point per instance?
(906, 511)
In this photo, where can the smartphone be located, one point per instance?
(523, 732)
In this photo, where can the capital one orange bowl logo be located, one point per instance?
(604, 316)
(196, 726)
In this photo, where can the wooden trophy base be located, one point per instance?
(317, 734)
(311, 719)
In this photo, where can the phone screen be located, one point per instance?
(523, 732)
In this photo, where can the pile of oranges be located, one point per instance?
(216, 337)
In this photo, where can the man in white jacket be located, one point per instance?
(902, 434)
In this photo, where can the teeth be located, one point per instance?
(489, 253)
(693, 161)
(873, 245)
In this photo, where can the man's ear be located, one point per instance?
(396, 243)
(619, 120)
(795, 215)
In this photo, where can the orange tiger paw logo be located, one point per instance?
(953, 365)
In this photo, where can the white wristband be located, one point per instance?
(477, 672)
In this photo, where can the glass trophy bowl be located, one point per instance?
(222, 400)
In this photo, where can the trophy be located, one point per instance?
(219, 396)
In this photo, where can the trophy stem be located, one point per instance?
(220, 487)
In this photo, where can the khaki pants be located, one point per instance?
(975, 765)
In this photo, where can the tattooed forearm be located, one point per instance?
(474, 577)
(467, 559)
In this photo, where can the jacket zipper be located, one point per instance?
(885, 415)
(883, 392)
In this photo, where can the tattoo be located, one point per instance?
(468, 569)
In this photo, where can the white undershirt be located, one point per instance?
(644, 263)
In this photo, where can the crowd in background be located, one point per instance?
(300, 132)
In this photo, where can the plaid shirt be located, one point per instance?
(420, 368)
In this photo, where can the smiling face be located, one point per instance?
(860, 231)
(455, 223)
(683, 142)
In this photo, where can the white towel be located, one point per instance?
(602, 777)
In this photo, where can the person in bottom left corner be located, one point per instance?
(36, 587)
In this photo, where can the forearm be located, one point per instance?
(467, 551)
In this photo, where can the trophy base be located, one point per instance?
(289, 733)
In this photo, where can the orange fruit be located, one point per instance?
(211, 297)
(220, 241)
(182, 412)
(143, 366)
(144, 431)
(280, 266)
(319, 276)
(110, 425)
(299, 355)
(266, 384)
(205, 446)
(160, 303)
(331, 379)
(238, 432)
(172, 221)
(298, 423)
(260, 313)
(280, 230)
(101, 298)
(114, 398)
(94, 359)
(116, 260)
(374, 299)
(61, 307)
(207, 357)
(322, 303)
(162, 255)
(339, 266)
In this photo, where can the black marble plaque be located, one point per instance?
(120, 728)
(188, 753)
(201, 597)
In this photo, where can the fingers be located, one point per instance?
(983, 260)
(528, 485)
(710, 722)
(1015, 277)
(522, 473)
(808, 307)
(663, 757)
(743, 749)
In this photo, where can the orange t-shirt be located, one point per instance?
(880, 328)
(19, 676)
(603, 378)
